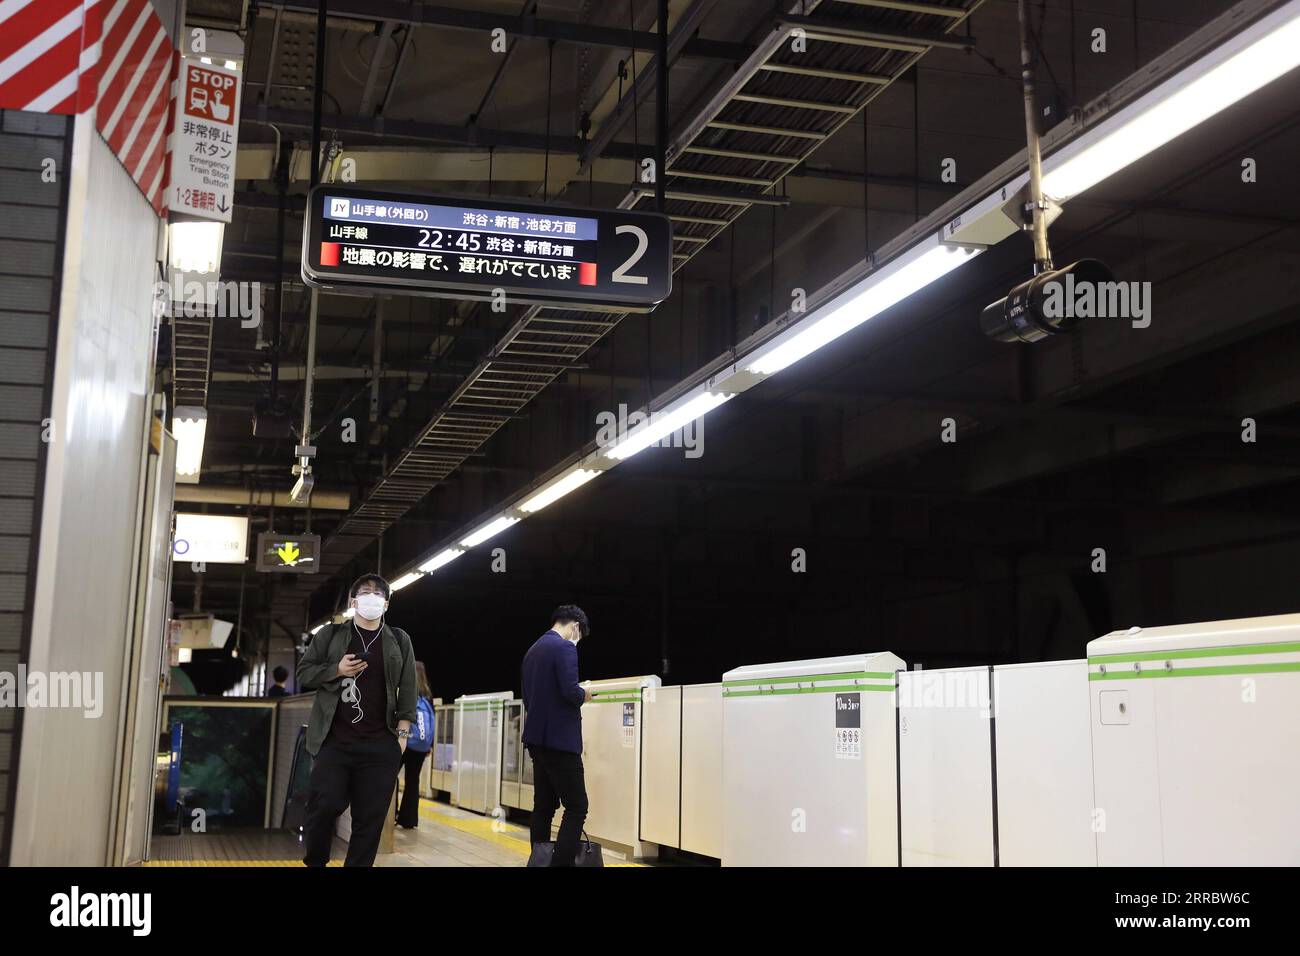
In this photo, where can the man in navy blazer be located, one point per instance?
(553, 701)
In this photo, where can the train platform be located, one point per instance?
(446, 837)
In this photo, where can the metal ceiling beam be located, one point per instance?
(232, 495)
(530, 9)
(853, 31)
(647, 78)
(372, 74)
(386, 130)
(527, 27)
(911, 6)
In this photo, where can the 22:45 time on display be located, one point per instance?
(432, 239)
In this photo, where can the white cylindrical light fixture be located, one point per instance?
(190, 426)
(195, 247)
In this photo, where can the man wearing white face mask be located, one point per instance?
(363, 672)
(553, 701)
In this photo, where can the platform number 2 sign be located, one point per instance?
(621, 274)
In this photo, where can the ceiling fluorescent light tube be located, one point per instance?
(409, 578)
(189, 426)
(488, 530)
(442, 557)
(665, 423)
(877, 292)
(1240, 66)
(196, 246)
(558, 489)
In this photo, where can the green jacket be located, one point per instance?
(319, 667)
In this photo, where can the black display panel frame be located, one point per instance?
(600, 259)
(308, 544)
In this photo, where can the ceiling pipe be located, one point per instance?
(218, 495)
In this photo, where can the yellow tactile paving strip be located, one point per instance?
(495, 832)
(297, 863)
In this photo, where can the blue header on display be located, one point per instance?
(343, 209)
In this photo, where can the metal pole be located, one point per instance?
(661, 110)
(318, 95)
(308, 380)
(239, 616)
(283, 161)
(1042, 253)
(376, 360)
(318, 92)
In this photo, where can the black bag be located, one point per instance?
(588, 853)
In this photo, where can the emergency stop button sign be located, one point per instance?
(210, 94)
(205, 141)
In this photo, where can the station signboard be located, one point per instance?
(218, 539)
(604, 259)
(205, 141)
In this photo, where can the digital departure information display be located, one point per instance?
(358, 239)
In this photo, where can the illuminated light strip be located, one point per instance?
(189, 426)
(196, 246)
(443, 557)
(1240, 66)
(665, 423)
(877, 292)
(558, 489)
(409, 578)
(488, 530)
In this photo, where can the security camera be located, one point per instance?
(1041, 307)
(302, 487)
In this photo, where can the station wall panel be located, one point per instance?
(1195, 730)
(82, 601)
(945, 767)
(32, 209)
(1044, 765)
(810, 768)
(702, 769)
(661, 766)
(612, 729)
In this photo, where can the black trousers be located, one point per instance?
(360, 773)
(408, 809)
(558, 779)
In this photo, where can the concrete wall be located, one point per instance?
(82, 604)
(31, 216)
